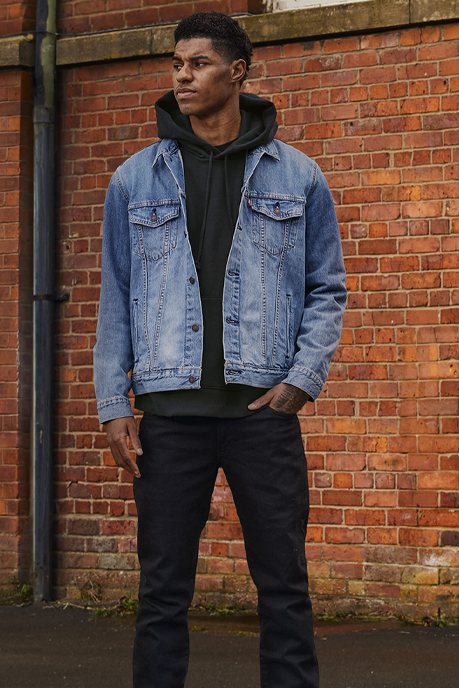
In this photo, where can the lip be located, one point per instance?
(185, 93)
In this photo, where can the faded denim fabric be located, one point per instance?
(284, 292)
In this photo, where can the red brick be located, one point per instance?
(417, 537)
(346, 426)
(383, 590)
(344, 535)
(413, 498)
(321, 515)
(450, 538)
(386, 175)
(333, 112)
(438, 481)
(342, 497)
(347, 571)
(283, 67)
(440, 518)
(380, 499)
(364, 517)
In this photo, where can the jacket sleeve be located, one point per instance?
(325, 292)
(113, 356)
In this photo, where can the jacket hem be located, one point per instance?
(115, 407)
(166, 380)
(305, 379)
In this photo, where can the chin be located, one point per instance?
(185, 107)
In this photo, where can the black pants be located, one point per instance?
(263, 460)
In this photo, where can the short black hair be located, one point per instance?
(228, 38)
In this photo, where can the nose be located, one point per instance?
(183, 74)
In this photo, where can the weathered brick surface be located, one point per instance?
(16, 17)
(82, 16)
(382, 438)
(378, 113)
(15, 320)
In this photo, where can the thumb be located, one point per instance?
(261, 401)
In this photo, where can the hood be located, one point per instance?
(258, 126)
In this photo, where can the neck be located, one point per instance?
(218, 128)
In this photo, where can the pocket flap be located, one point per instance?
(153, 214)
(277, 208)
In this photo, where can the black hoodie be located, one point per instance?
(213, 183)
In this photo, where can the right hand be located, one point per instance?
(118, 431)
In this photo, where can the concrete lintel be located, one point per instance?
(102, 47)
(17, 51)
(422, 11)
(329, 20)
(115, 45)
(162, 40)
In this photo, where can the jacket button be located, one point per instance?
(277, 210)
(191, 379)
(195, 328)
(192, 280)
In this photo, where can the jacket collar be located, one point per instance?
(269, 149)
(166, 146)
(171, 147)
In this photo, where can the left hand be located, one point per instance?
(283, 397)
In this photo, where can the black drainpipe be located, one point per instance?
(43, 307)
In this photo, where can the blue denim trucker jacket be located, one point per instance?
(284, 291)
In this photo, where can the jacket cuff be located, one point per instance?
(306, 380)
(116, 407)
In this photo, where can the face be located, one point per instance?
(203, 82)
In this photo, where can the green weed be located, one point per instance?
(220, 609)
(19, 593)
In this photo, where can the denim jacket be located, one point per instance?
(284, 291)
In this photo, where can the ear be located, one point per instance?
(238, 68)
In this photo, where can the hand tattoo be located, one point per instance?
(290, 400)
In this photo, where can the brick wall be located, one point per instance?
(379, 115)
(82, 16)
(16, 17)
(15, 320)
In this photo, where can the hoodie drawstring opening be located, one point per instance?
(206, 208)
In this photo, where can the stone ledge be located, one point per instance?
(422, 11)
(295, 25)
(115, 45)
(325, 21)
(17, 51)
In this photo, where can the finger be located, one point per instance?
(127, 463)
(122, 456)
(132, 467)
(261, 401)
(133, 434)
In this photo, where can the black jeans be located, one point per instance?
(263, 459)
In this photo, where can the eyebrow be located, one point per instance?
(193, 57)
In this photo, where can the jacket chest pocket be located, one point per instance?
(154, 228)
(275, 222)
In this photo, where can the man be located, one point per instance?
(221, 304)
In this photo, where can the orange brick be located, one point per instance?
(438, 481)
(344, 535)
(347, 571)
(386, 423)
(418, 537)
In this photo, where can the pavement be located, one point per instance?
(52, 647)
